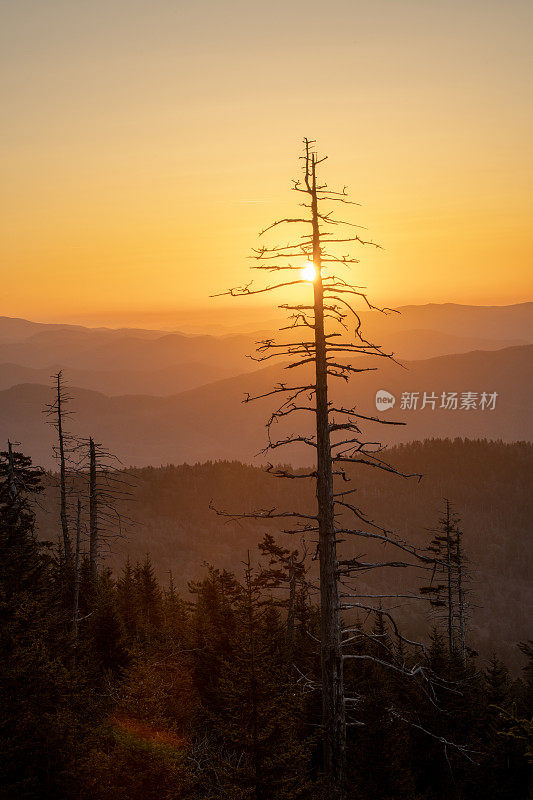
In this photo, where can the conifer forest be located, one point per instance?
(266, 369)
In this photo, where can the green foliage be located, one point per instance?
(105, 629)
(204, 699)
(518, 729)
(260, 709)
(125, 767)
(498, 682)
(47, 703)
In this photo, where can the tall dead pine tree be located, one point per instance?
(335, 436)
(447, 588)
(76, 602)
(57, 412)
(108, 489)
(11, 479)
(93, 512)
(461, 581)
(333, 708)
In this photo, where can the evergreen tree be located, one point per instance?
(260, 710)
(23, 560)
(212, 631)
(286, 569)
(447, 589)
(497, 682)
(504, 773)
(149, 598)
(127, 601)
(175, 617)
(46, 704)
(526, 648)
(105, 627)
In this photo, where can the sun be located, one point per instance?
(308, 271)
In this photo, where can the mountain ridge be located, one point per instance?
(211, 422)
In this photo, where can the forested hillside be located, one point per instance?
(150, 690)
(486, 481)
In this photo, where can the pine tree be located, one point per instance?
(212, 631)
(149, 598)
(44, 701)
(58, 414)
(105, 628)
(23, 559)
(505, 739)
(127, 601)
(497, 682)
(286, 568)
(526, 648)
(447, 589)
(260, 708)
(175, 616)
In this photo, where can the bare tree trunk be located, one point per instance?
(449, 567)
(62, 474)
(330, 300)
(257, 759)
(333, 705)
(460, 598)
(75, 608)
(12, 483)
(291, 611)
(93, 512)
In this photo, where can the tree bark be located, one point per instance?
(291, 609)
(333, 706)
(449, 565)
(460, 597)
(62, 476)
(93, 512)
(12, 483)
(76, 603)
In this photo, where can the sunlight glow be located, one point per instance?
(308, 272)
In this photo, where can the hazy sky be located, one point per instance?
(136, 133)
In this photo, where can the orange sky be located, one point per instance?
(137, 132)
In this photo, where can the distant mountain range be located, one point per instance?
(512, 322)
(95, 349)
(210, 422)
(133, 361)
(156, 397)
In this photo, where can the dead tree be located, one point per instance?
(93, 511)
(76, 603)
(58, 412)
(334, 336)
(447, 587)
(108, 489)
(287, 568)
(461, 580)
(11, 476)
